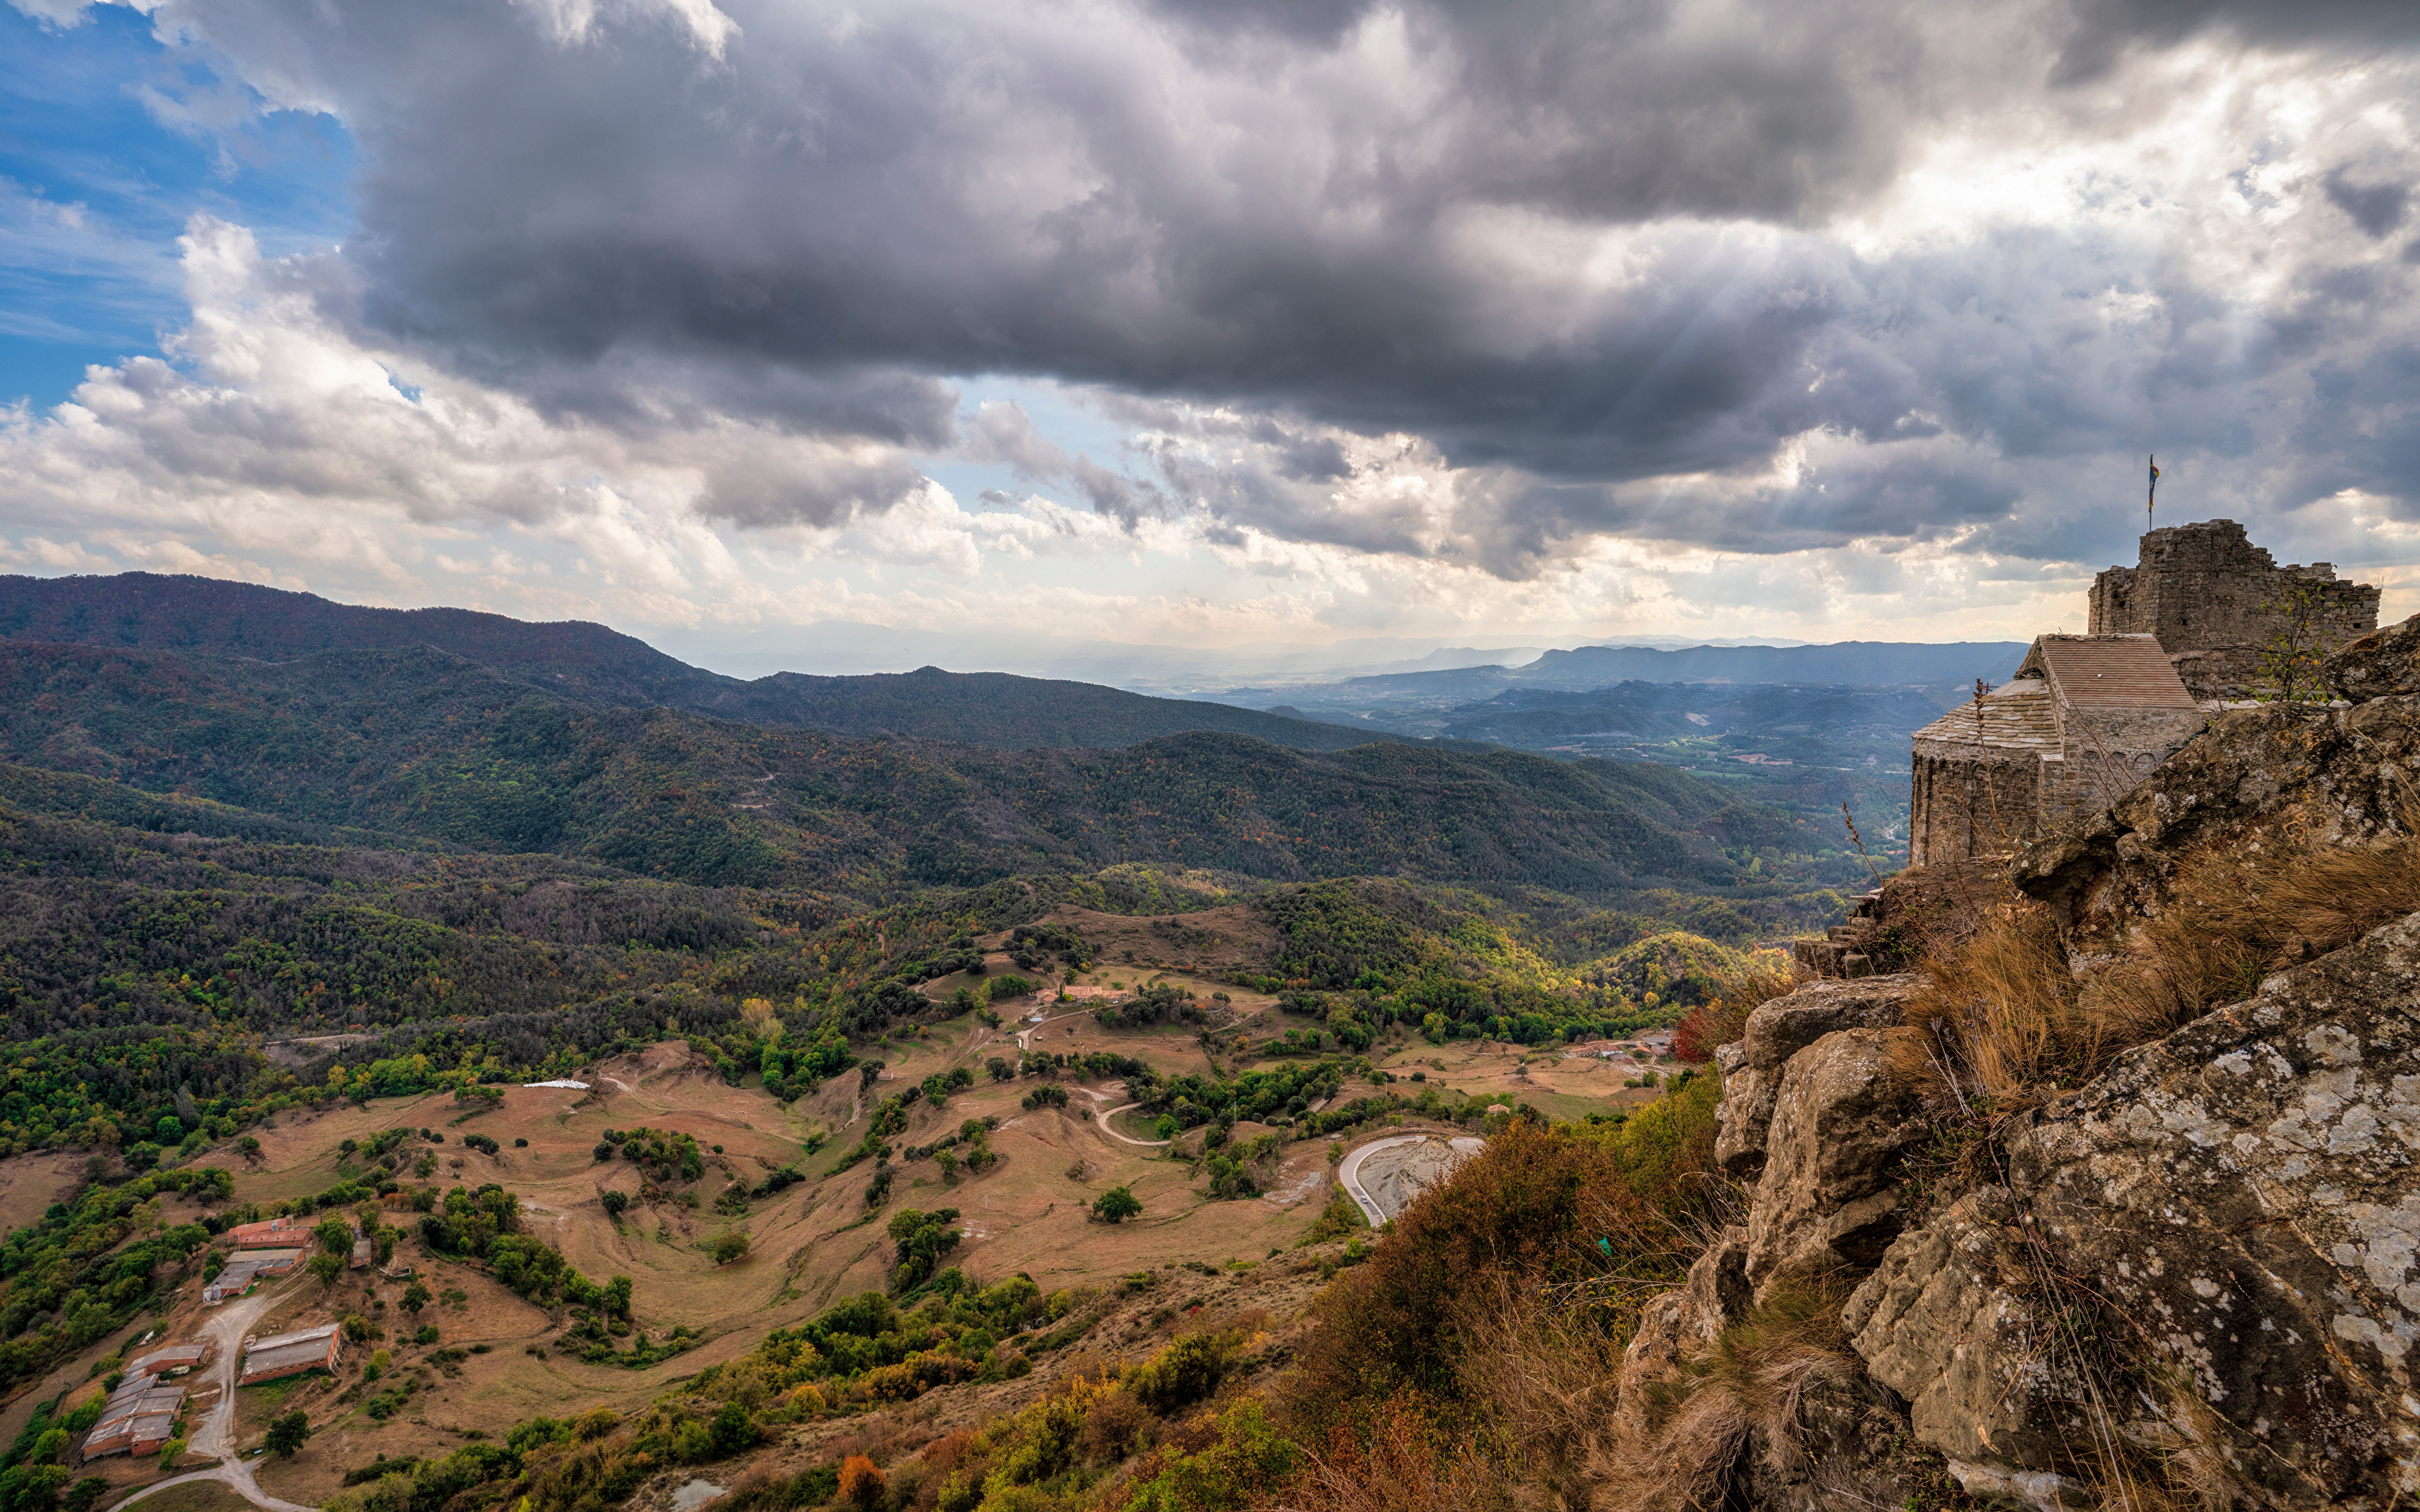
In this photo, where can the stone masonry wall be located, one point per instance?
(2212, 598)
(2106, 753)
(1967, 804)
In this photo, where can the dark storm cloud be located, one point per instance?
(2104, 29)
(2376, 209)
(757, 488)
(1371, 220)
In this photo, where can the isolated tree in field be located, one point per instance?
(923, 1238)
(1117, 1205)
(289, 1433)
(249, 1147)
(616, 1202)
(728, 1245)
(415, 1297)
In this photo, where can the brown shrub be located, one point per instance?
(1474, 1355)
(860, 1481)
(1404, 1462)
(1529, 1207)
(1113, 1428)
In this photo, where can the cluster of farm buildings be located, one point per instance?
(141, 1414)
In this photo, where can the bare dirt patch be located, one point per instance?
(1212, 943)
(30, 1183)
(193, 1496)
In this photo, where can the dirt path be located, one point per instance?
(1025, 1036)
(1101, 1116)
(215, 1438)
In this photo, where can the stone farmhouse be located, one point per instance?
(2086, 717)
(246, 1268)
(170, 1360)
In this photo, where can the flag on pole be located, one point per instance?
(2151, 496)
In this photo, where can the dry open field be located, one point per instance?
(812, 1242)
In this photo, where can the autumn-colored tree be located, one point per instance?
(860, 1481)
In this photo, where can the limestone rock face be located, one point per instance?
(1779, 1029)
(2244, 1194)
(2258, 782)
(1829, 1195)
(2384, 662)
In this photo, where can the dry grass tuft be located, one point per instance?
(1998, 1014)
(1747, 1394)
(2231, 919)
(2007, 1020)
(1550, 1377)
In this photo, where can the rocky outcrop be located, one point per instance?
(1752, 1066)
(1847, 949)
(2383, 663)
(1814, 1113)
(2203, 1264)
(2258, 782)
(2236, 1209)
(1828, 1200)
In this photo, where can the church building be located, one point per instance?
(2086, 717)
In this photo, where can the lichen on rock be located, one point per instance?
(2240, 1201)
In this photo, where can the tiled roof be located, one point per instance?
(2108, 671)
(2016, 716)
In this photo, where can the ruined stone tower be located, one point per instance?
(2088, 716)
(2214, 602)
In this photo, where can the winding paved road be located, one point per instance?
(1348, 1175)
(215, 1438)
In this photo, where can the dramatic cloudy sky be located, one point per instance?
(1205, 321)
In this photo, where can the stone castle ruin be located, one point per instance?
(2215, 602)
(2086, 717)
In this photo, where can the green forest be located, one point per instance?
(470, 877)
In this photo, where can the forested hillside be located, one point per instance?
(590, 664)
(423, 743)
(149, 947)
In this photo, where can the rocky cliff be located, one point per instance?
(2190, 1277)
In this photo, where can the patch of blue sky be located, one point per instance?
(1061, 415)
(110, 142)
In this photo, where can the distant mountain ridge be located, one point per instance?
(422, 743)
(1846, 663)
(590, 664)
(1858, 663)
